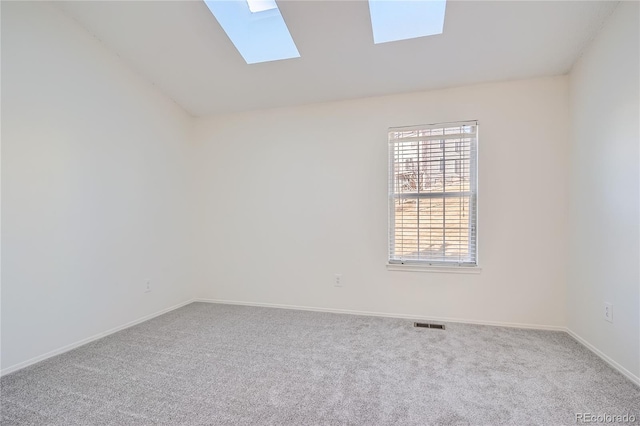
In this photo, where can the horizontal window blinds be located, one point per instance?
(433, 194)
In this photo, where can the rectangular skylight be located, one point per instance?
(256, 28)
(394, 20)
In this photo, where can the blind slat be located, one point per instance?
(433, 193)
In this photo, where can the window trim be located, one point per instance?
(435, 268)
(431, 265)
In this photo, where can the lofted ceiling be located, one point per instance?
(179, 47)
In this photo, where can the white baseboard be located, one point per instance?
(386, 315)
(628, 374)
(74, 345)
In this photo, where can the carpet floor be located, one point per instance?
(211, 364)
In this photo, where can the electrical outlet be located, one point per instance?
(608, 312)
(337, 280)
(147, 289)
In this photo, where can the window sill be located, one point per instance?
(434, 269)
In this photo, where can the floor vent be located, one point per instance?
(427, 325)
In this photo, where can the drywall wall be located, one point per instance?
(293, 196)
(96, 188)
(604, 247)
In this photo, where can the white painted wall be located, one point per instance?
(103, 189)
(604, 248)
(294, 195)
(96, 188)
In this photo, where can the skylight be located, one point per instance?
(394, 20)
(256, 28)
(256, 6)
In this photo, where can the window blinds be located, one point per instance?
(433, 194)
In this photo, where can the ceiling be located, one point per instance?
(179, 47)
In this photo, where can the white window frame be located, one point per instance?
(435, 265)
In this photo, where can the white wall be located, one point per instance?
(103, 190)
(96, 188)
(604, 249)
(294, 195)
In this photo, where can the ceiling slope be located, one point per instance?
(179, 47)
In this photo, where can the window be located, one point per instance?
(433, 194)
